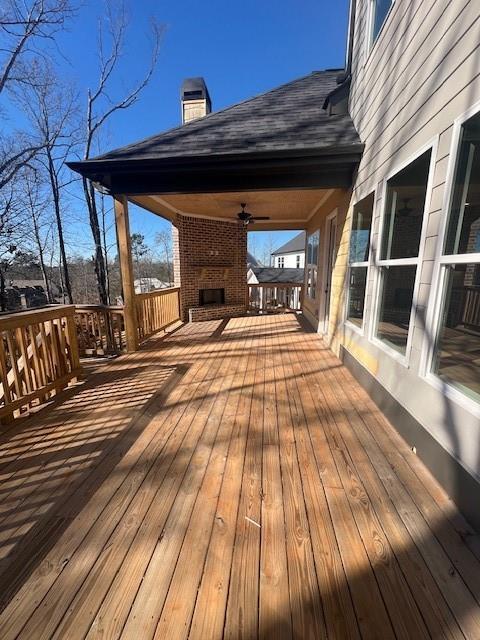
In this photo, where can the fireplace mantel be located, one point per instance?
(203, 269)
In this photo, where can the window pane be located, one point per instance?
(381, 8)
(311, 282)
(356, 294)
(464, 225)
(458, 348)
(405, 203)
(361, 224)
(312, 247)
(395, 305)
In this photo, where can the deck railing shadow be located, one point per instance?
(365, 595)
(52, 480)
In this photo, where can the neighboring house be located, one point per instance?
(24, 294)
(265, 275)
(379, 163)
(291, 254)
(287, 293)
(144, 285)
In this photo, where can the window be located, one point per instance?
(298, 261)
(359, 252)
(403, 215)
(379, 12)
(457, 349)
(280, 262)
(313, 241)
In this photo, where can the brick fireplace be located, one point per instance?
(210, 264)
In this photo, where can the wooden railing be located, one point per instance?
(275, 297)
(38, 357)
(156, 310)
(100, 329)
(471, 307)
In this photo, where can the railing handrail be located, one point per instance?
(42, 314)
(117, 308)
(157, 292)
(276, 285)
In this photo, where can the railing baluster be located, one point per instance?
(157, 310)
(275, 297)
(40, 358)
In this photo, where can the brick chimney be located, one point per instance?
(196, 101)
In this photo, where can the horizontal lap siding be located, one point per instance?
(422, 73)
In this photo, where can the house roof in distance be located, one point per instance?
(271, 274)
(295, 245)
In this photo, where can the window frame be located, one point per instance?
(379, 264)
(310, 266)
(371, 40)
(440, 273)
(365, 263)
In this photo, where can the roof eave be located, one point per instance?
(224, 172)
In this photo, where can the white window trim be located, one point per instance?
(371, 42)
(432, 320)
(403, 359)
(322, 302)
(361, 330)
(309, 265)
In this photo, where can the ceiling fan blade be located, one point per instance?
(261, 218)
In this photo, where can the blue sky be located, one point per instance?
(240, 48)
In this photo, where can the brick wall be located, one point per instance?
(210, 254)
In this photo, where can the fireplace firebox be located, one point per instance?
(211, 296)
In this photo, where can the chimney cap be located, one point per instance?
(195, 89)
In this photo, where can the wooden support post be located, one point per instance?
(73, 342)
(126, 268)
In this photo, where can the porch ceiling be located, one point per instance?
(286, 208)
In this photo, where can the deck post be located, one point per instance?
(126, 269)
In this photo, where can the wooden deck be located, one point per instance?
(232, 480)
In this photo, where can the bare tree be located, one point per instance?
(268, 247)
(100, 108)
(36, 206)
(11, 226)
(51, 107)
(164, 240)
(107, 246)
(26, 27)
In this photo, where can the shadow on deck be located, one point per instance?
(231, 480)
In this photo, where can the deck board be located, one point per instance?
(230, 480)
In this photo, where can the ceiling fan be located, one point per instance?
(248, 218)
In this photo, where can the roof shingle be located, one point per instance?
(286, 118)
(295, 245)
(271, 274)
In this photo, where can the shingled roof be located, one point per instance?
(295, 245)
(280, 138)
(288, 117)
(282, 276)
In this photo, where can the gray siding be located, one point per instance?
(422, 73)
